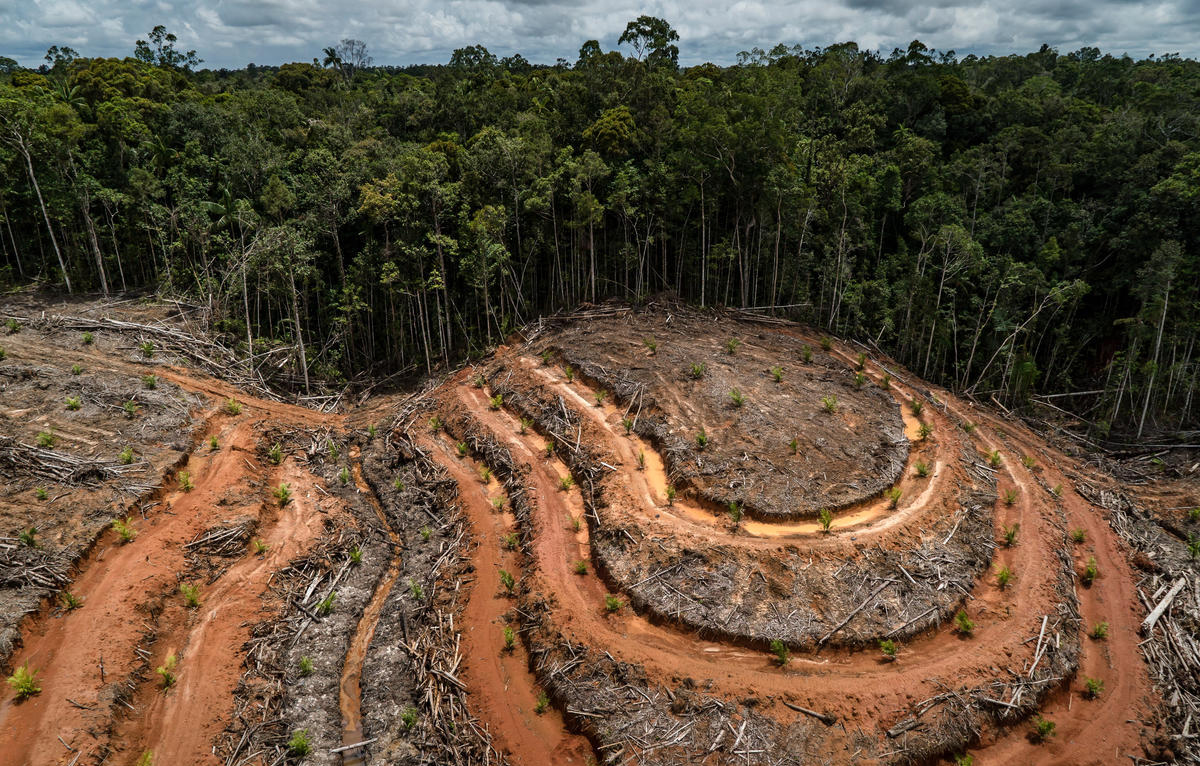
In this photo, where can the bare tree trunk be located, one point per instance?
(45, 215)
(1162, 320)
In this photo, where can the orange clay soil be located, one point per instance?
(133, 614)
(856, 685)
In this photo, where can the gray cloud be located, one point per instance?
(232, 33)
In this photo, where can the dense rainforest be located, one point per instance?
(1021, 226)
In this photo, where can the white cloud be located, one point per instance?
(231, 33)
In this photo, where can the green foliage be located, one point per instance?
(916, 406)
(24, 682)
(860, 379)
(325, 605)
(701, 439)
(569, 373)
(963, 624)
(191, 595)
(510, 638)
(1099, 631)
(485, 474)
(527, 423)
(435, 424)
(28, 537)
(40, 493)
(1010, 534)
(830, 403)
(542, 704)
(1078, 535)
(185, 481)
(697, 370)
(888, 647)
(356, 555)
(670, 494)
(1091, 571)
(1010, 496)
(613, 603)
(1193, 514)
(1193, 546)
(1029, 462)
(213, 444)
(893, 496)
(1043, 729)
(147, 349)
(860, 361)
(479, 380)
(921, 468)
(76, 369)
(994, 458)
(306, 666)
(735, 512)
(794, 446)
(409, 717)
(651, 345)
(344, 475)
(298, 745)
(88, 339)
(371, 431)
(806, 354)
(146, 759)
(283, 494)
(964, 759)
(508, 581)
(46, 439)
(565, 483)
(4, 355)
(510, 541)
(601, 395)
(885, 382)
(782, 654)
(627, 423)
(166, 671)
(275, 454)
(124, 529)
(73, 403)
(332, 448)
(777, 374)
(495, 402)
(69, 601)
(736, 397)
(150, 381)
(731, 346)
(580, 567)
(547, 356)
(126, 456)
(1003, 577)
(825, 517)
(233, 406)
(826, 343)
(1092, 688)
(130, 408)
(924, 431)
(259, 546)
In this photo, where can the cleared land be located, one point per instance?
(622, 537)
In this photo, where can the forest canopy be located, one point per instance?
(1011, 226)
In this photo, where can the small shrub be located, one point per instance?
(496, 402)
(325, 607)
(542, 704)
(964, 759)
(398, 483)
(994, 458)
(641, 460)
(916, 406)
(69, 600)
(435, 424)
(968, 426)
(275, 454)
(213, 444)
(777, 373)
(356, 555)
(40, 493)
(698, 370)
(306, 666)
(548, 448)
(1090, 571)
(150, 381)
(806, 354)
(1003, 577)
(498, 504)
(737, 398)
(259, 546)
(24, 682)
(580, 567)
(28, 537)
(130, 408)
(344, 475)
(1056, 490)
(282, 493)
(485, 474)
(147, 759)
(826, 519)
(88, 339)
(893, 496)
(735, 512)
(124, 529)
(1099, 631)
(963, 624)
(185, 481)
(166, 671)
(371, 431)
(526, 424)
(1010, 535)
(461, 447)
(1092, 688)
(546, 356)
(830, 403)
(613, 603)
(826, 343)
(1029, 462)
(332, 448)
(627, 424)
(480, 381)
(860, 361)
(925, 431)
(507, 580)
(671, 494)
(794, 445)
(426, 533)
(921, 468)
(731, 346)
(860, 379)
(569, 372)
(73, 403)
(651, 345)
(601, 395)
(888, 647)
(126, 456)
(510, 638)
(298, 746)
(1010, 496)
(782, 655)
(409, 717)
(1078, 535)
(147, 349)
(76, 369)
(701, 439)
(1043, 729)
(233, 406)
(191, 595)
(885, 382)
(565, 483)
(46, 439)
(576, 522)
(510, 541)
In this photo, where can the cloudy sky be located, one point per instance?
(232, 33)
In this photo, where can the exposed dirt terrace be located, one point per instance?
(534, 560)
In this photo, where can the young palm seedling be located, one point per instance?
(888, 647)
(736, 397)
(613, 603)
(1193, 546)
(601, 395)
(526, 424)
(830, 403)
(282, 493)
(1092, 688)
(497, 504)
(508, 581)
(88, 339)
(1010, 496)
(565, 483)
(259, 546)
(426, 533)
(213, 444)
(510, 541)
(925, 431)
(777, 374)
(124, 529)
(651, 345)
(73, 403)
(826, 343)
(510, 639)
(860, 361)
(921, 468)
(860, 379)
(191, 595)
(462, 449)
(916, 406)
(1003, 577)
(641, 462)
(76, 369)
(1078, 535)
(435, 424)
(627, 424)
(298, 746)
(40, 493)
(485, 474)
(782, 654)
(731, 346)
(885, 382)
(1099, 631)
(46, 439)
(344, 475)
(166, 671)
(569, 373)
(130, 408)
(701, 439)
(185, 481)
(963, 624)
(994, 458)
(1010, 535)
(150, 381)
(671, 494)
(325, 606)
(542, 704)
(147, 349)
(409, 717)
(306, 666)
(496, 402)
(233, 406)
(826, 519)
(893, 496)
(1043, 729)
(28, 538)
(580, 567)
(1090, 572)
(806, 354)
(546, 356)
(126, 456)
(480, 381)
(1028, 462)
(356, 555)
(735, 512)
(24, 682)
(697, 371)
(275, 454)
